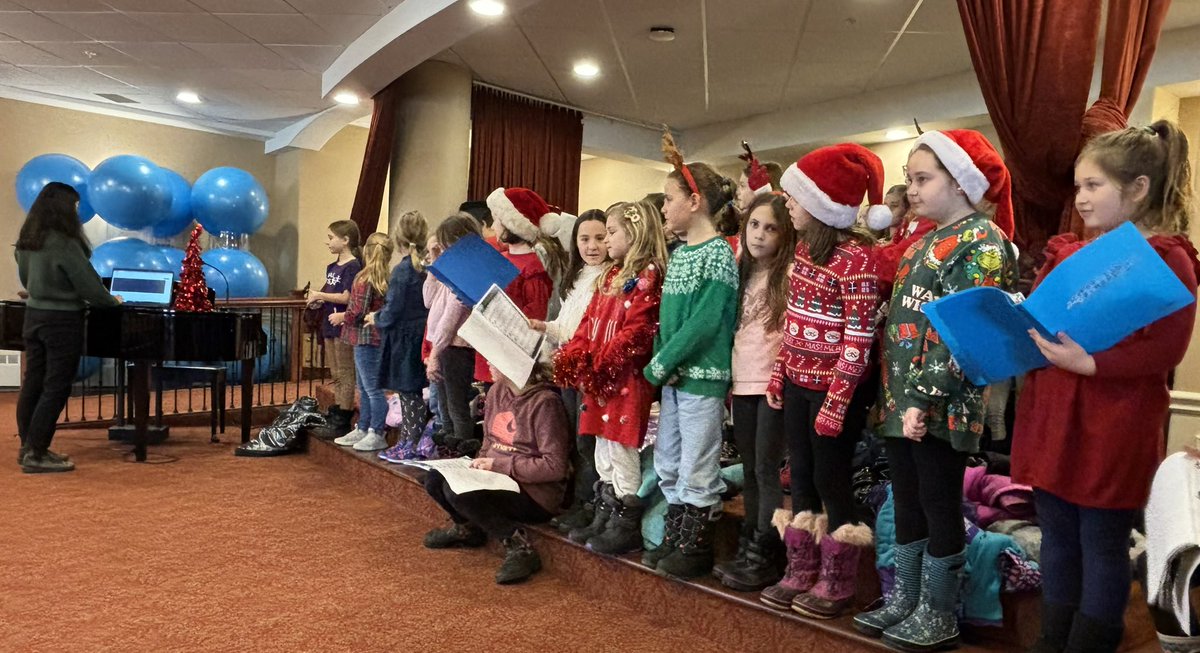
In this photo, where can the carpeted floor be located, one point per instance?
(216, 553)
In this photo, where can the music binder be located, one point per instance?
(470, 267)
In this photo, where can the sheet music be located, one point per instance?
(462, 479)
(499, 310)
(500, 332)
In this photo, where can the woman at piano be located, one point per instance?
(53, 264)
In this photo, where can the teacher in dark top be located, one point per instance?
(52, 261)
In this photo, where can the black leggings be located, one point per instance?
(458, 372)
(583, 450)
(758, 433)
(927, 481)
(497, 512)
(53, 344)
(820, 465)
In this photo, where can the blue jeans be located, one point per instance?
(372, 404)
(689, 468)
(1085, 556)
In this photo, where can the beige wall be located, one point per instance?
(603, 182)
(1187, 377)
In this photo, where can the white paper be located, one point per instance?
(498, 330)
(462, 479)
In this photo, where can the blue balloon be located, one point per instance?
(41, 170)
(130, 192)
(130, 253)
(174, 257)
(229, 199)
(89, 366)
(246, 274)
(179, 217)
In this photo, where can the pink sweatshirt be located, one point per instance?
(446, 315)
(755, 345)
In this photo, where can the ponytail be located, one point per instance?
(1158, 152)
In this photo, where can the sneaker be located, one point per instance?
(454, 536)
(371, 442)
(395, 412)
(520, 559)
(400, 452)
(44, 464)
(351, 438)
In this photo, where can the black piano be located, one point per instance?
(145, 336)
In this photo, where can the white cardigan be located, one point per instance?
(562, 328)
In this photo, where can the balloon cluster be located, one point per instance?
(132, 193)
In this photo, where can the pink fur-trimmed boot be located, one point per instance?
(838, 582)
(800, 535)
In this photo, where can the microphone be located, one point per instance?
(223, 277)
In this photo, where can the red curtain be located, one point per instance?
(1131, 36)
(517, 142)
(368, 199)
(1034, 61)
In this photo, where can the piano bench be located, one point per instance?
(211, 376)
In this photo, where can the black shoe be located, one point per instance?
(578, 517)
(34, 463)
(623, 532)
(671, 524)
(603, 510)
(762, 563)
(693, 557)
(469, 448)
(729, 454)
(520, 560)
(739, 558)
(455, 536)
(1056, 627)
(1091, 636)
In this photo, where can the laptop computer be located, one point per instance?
(143, 287)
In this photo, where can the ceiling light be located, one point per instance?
(897, 134)
(662, 34)
(586, 69)
(189, 97)
(346, 97)
(487, 7)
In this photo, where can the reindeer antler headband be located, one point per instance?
(673, 156)
(759, 178)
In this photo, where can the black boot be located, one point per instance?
(520, 559)
(1056, 627)
(623, 533)
(578, 517)
(762, 566)
(693, 557)
(739, 558)
(455, 536)
(1091, 636)
(671, 525)
(604, 509)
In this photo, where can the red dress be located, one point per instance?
(1096, 440)
(605, 358)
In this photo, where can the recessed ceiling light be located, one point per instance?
(487, 7)
(898, 134)
(189, 97)
(346, 97)
(662, 34)
(587, 69)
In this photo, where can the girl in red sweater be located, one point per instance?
(828, 332)
(1089, 430)
(605, 360)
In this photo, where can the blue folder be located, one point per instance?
(1099, 296)
(470, 266)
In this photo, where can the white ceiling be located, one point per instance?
(257, 63)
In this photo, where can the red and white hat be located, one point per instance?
(830, 182)
(759, 179)
(524, 213)
(977, 167)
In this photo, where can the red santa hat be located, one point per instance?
(759, 178)
(830, 183)
(524, 213)
(977, 167)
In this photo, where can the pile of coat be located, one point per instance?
(283, 435)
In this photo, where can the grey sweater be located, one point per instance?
(59, 276)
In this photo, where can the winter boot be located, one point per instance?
(671, 525)
(761, 565)
(402, 450)
(605, 501)
(1056, 627)
(838, 580)
(520, 559)
(578, 517)
(425, 449)
(455, 536)
(1091, 636)
(693, 557)
(623, 532)
(739, 557)
(800, 535)
(906, 591)
(1179, 643)
(339, 419)
(933, 625)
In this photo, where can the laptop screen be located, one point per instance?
(142, 286)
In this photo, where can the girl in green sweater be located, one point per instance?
(692, 362)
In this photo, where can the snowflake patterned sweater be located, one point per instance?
(694, 345)
(829, 328)
(918, 370)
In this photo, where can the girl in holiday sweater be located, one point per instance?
(932, 417)
(1089, 429)
(366, 296)
(605, 360)
(820, 375)
(692, 363)
(769, 239)
(588, 256)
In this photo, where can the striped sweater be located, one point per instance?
(829, 328)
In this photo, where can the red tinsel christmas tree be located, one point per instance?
(193, 290)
